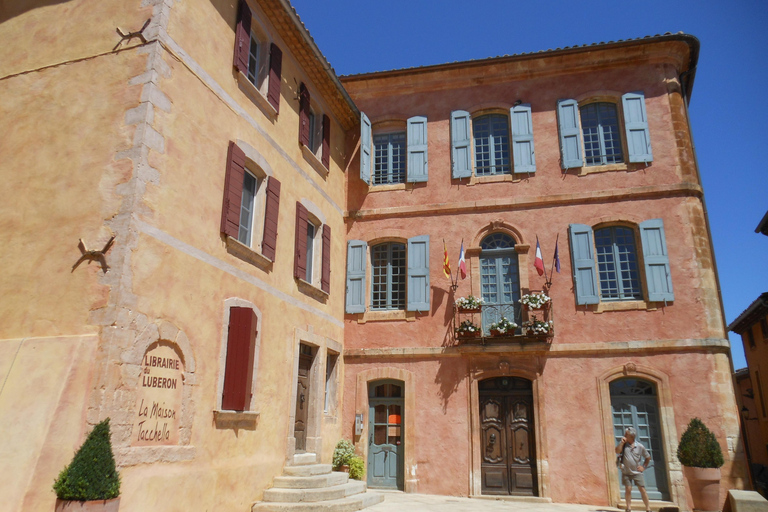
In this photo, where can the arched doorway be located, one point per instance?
(634, 403)
(499, 279)
(385, 434)
(507, 441)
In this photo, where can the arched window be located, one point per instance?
(499, 279)
(388, 274)
(600, 126)
(617, 263)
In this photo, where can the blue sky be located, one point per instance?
(729, 119)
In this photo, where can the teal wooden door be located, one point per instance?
(499, 279)
(634, 404)
(385, 436)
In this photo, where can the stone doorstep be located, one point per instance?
(311, 482)
(348, 504)
(301, 459)
(307, 470)
(518, 499)
(314, 495)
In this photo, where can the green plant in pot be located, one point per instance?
(343, 454)
(91, 481)
(702, 457)
(356, 468)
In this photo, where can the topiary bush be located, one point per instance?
(698, 447)
(344, 451)
(356, 468)
(92, 474)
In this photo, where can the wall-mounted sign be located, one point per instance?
(158, 398)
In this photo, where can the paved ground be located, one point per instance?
(395, 501)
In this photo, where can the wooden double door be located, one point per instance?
(507, 437)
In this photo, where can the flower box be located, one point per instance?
(469, 310)
(535, 300)
(468, 335)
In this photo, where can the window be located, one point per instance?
(609, 257)
(312, 254)
(764, 328)
(314, 134)
(750, 337)
(389, 158)
(388, 276)
(499, 279)
(398, 156)
(251, 203)
(399, 275)
(260, 63)
(502, 143)
(600, 125)
(596, 125)
(239, 362)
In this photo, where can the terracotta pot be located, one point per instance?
(705, 487)
(469, 310)
(468, 335)
(495, 332)
(345, 468)
(88, 506)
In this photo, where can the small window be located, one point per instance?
(491, 138)
(253, 60)
(750, 337)
(389, 158)
(313, 241)
(388, 273)
(600, 127)
(248, 208)
(617, 263)
(764, 328)
(239, 362)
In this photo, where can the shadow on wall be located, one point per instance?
(449, 376)
(12, 8)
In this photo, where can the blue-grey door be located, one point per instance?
(634, 404)
(385, 436)
(499, 279)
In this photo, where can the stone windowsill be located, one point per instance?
(625, 305)
(315, 162)
(245, 253)
(592, 169)
(498, 178)
(311, 290)
(386, 188)
(220, 415)
(256, 96)
(386, 316)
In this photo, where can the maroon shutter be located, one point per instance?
(303, 115)
(325, 278)
(271, 209)
(233, 191)
(300, 254)
(275, 76)
(238, 372)
(243, 37)
(326, 156)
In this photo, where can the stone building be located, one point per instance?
(236, 256)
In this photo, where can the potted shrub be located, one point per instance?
(702, 457)
(504, 327)
(356, 467)
(467, 330)
(535, 300)
(91, 481)
(470, 304)
(342, 455)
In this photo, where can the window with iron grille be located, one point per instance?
(389, 158)
(491, 137)
(388, 274)
(617, 263)
(602, 142)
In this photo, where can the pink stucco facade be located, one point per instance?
(679, 346)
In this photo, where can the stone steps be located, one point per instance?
(310, 487)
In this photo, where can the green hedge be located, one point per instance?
(698, 447)
(92, 474)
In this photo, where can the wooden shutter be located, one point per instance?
(656, 261)
(233, 191)
(636, 127)
(365, 148)
(243, 38)
(275, 76)
(238, 370)
(417, 170)
(325, 276)
(521, 123)
(570, 133)
(303, 115)
(583, 263)
(325, 158)
(356, 262)
(461, 147)
(300, 251)
(418, 273)
(271, 211)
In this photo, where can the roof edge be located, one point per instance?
(758, 307)
(762, 227)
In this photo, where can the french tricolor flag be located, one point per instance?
(539, 262)
(462, 263)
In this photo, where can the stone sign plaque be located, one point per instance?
(158, 399)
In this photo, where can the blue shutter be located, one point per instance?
(461, 149)
(417, 149)
(521, 123)
(583, 263)
(656, 260)
(570, 133)
(365, 148)
(356, 258)
(636, 126)
(418, 273)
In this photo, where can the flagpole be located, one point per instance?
(548, 281)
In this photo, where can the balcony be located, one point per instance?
(487, 324)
